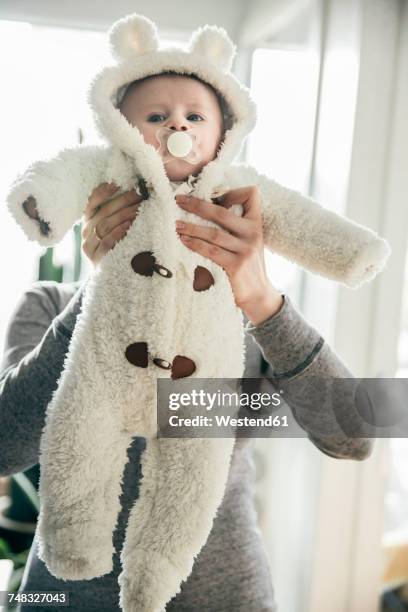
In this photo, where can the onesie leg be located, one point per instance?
(82, 459)
(183, 485)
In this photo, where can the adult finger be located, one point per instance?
(220, 256)
(108, 223)
(109, 241)
(95, 249)
(227, 219)
(123, 201)
(213, 235)
(100, 194)
(249, 197)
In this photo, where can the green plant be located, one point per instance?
(15, 541)
(19, 562)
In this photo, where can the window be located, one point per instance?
(396, 492)
(284, 86)
(45, 75)
(45, 72)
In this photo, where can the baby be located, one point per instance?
(148, 310)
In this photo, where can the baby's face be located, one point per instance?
(179, 103)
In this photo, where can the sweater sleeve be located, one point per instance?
(302, 365)
(37, 340)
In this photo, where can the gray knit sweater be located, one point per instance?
(231, 572)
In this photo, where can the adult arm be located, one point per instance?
(300, 359)
(37, 340)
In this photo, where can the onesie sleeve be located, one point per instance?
(58, 189)
(300, 229)
(36, 342)
(302, 365)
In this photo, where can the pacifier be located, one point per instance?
(178, 144)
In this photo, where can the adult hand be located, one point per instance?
(237, 246)
(107, 219)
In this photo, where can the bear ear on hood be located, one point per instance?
(131, 36)
(214, 44)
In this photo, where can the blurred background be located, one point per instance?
(330, 78)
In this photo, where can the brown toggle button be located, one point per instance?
(203, 279)
(143, 189)
(136, 354)
(182, 367)
(218, 200)
(145, 263)
(162, 363)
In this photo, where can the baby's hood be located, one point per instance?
(135, 48)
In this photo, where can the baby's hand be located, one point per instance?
(107, 219)
(30, 208)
